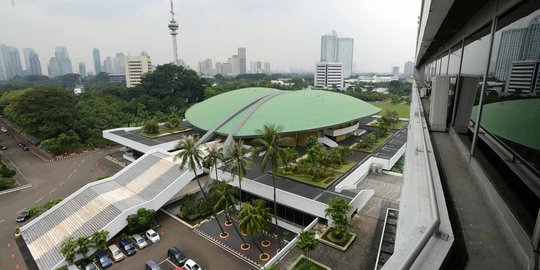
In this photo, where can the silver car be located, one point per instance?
(139, 241)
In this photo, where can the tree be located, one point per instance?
(213, 156)
(254, 217)
(307, 242)
(191, 156)
(67, 248)
(238, 161)
(99, 239)
(289, 155)
(151, 127)
(343, 152)
(311, 141)
(270, 144)
(367, 141)
(83, 245)
(225, 196)
(389, 119)
(143, 220)
(338, 210)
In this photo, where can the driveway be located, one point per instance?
(50, 180)
(205, 253)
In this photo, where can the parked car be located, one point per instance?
(3, 147)
(88, 265)
(23, 216)
(9, 135)
(191, 265)
(103, 259)
(3, 129)
(176, 256)
(151, 265)
(72, 267)
(23, 147)
(127, 247)
(152, 236)
(139, 241)
(116, 254)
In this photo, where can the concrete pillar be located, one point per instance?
(438, 109)
(467, 86)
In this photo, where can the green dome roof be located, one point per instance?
(294, 111)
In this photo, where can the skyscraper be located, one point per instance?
(97, 60)
(242, 60)
(108, 65)
(60, 64)
(118, 64)
(15, 62)
(408, 68)
(173, 26)
(235, 64)
(219, 68)
(35, 64)
(256, 67)
(4, 62)
(205, 67)
(395, 71)
(26, 53)
(82, 69)
(336, 49)
(267, 68)
(518, 44)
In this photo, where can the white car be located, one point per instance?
(139, 241)
(191, 265)
(152, 236)
(3, 129)
(116, 254)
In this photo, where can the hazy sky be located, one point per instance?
(284, 32)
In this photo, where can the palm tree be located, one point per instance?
(68, 249)
(99, 239)
(239, 161)
(307, 242)
(214, 155)
(254, 217)
(272, 146)
(225, 196)
(83, 244)
(191, 156)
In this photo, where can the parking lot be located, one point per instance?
(205, 253)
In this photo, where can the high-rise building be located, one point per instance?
(205, 67)
(338, 49)
(82, 69)
(15, 62)
(108, 65)
(395, 71)
(256, 67)
(235, 64)
(97, 60)
(408, 68)
(26, 53)
(136, 66)
(219, 68)
(242, 60)
(118, 64)
(35, 64)
(329, 75)
(517, 44)
(60, 64)
(4, 62)
(266, 68)
(227, 68)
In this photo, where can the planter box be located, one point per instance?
(343, 247)
(302, 258)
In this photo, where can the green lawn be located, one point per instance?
(162, 132)
(402, 109)
(398, 125)
(379, 142)
(325, 183)
(345, 167)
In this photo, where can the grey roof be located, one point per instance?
(95, 205)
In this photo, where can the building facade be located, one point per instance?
(338, 49)
(408, 68)
(136, 66)
(329, 75)
(524, 78)
(97, 60)
(242, 61)
(205, 67)
(82, 69)
(60, 64)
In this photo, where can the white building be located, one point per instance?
(266, 67)
(136, 66)
(524, 78)
(329, 75)
(205, 67)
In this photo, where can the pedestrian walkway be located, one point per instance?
(487, 248)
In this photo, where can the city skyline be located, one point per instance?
(138, 26)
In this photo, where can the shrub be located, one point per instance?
(143, 220)
(151, 127)
(6, 183)
(367, 141)
(34, 211)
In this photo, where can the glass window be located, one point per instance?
(444, 65)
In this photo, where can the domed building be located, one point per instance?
(300, 114)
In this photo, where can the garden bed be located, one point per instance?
(376, 145)
(162, 132)
(336, 173)
(303, 262)
(398, 125)
(342, 245)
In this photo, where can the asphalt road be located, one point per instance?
(202, 251)
(50, 180)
